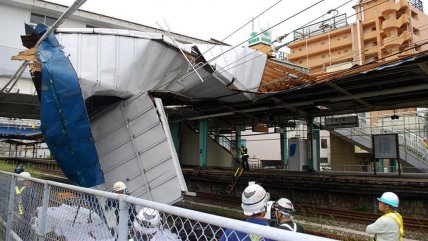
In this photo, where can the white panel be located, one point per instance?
(133, 148)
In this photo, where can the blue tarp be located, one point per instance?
(64, 120)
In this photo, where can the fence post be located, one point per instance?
(43, 215)
(10, 207)
(123, 220)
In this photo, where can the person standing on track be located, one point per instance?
(245, 156)
(389, 227)
(254, 201)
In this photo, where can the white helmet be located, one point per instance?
(284, 206)
(254, 199)
(24, 175)
(389, 198)
(119, 186)
(148, 220)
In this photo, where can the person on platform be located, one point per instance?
(284, 211)
(389, 227)
(245, 156)
(113, 204)
(254, 200)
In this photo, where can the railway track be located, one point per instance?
(410, 223)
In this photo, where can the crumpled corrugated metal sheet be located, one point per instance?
(130, 61)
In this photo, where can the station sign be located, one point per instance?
(341, 122)
(265, 37)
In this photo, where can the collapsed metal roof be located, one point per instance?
(283, 93)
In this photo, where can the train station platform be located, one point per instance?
(341, 190)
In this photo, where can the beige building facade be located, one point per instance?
(384, 30)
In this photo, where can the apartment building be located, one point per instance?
(383, 30)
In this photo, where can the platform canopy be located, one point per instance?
(400, 83)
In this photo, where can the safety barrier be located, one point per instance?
(46, 210)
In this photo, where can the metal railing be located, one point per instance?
(409, 142)
(56, 211)
(222, 140)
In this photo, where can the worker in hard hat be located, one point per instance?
(389, 227)
(148, 227)
(24, 196)
(245, 156)
(113, 204)
(19, 168)
(284, 211)
(254, 201)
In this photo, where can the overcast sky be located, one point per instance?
(217, 19)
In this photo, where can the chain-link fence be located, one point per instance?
(34, 209)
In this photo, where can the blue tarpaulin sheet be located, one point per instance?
(64, 120)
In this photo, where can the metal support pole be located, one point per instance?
(175, 134)
(310, 146)
(10, 208)
(203, 143)
(43, 215)
(316, 149)
(284, 148)
(123, 219)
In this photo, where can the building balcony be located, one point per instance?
(392, 6)
(370, 35)
(297, 55)
(370, 50)
(395, 23)
(334, 43)
(394, 41)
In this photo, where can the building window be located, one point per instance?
(416, 31)
(324, 143)
(91, 26)
(418, 48)
(414, 15)
(39, 18)
(323, 160)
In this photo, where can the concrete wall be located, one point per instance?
(189, 155)
(342, 154)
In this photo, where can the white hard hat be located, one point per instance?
(284, 206)
(254, 199)
(25, 174)
(119, 186)
(148, 220)
(389, 198)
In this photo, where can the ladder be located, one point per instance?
(236, 176)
